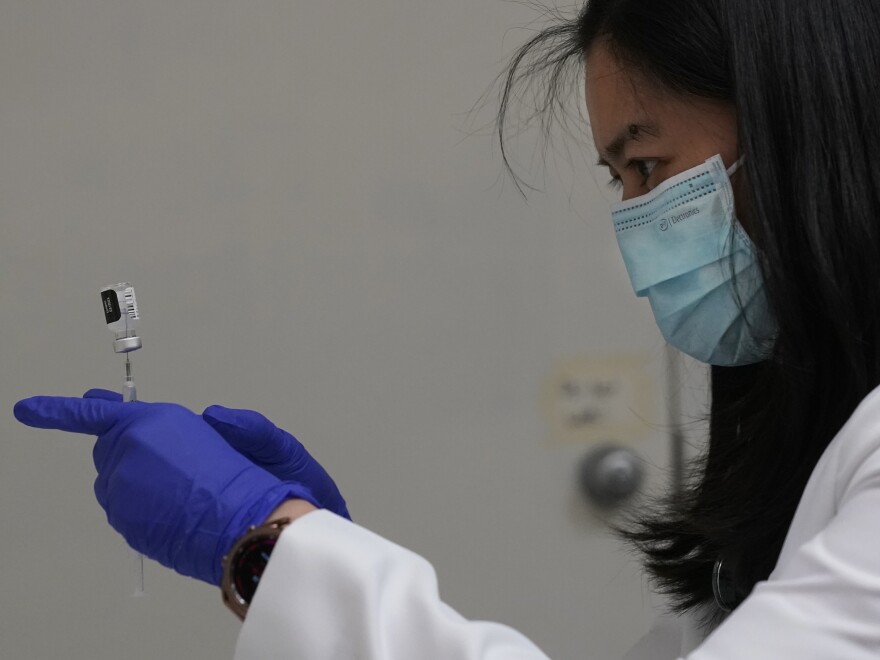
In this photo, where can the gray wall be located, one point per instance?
(315, 229)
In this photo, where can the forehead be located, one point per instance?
(619, 100)
(616, 97)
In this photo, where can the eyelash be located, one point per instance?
(616, 184)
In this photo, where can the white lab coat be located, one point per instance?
(336, 590)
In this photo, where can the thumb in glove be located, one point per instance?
(276, 451)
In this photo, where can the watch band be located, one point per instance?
(244, 564)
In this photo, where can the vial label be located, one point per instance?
(112, 312)
(131, 306)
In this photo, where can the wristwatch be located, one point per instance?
(244, 565)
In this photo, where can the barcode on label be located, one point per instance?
(131, 306)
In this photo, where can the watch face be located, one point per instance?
(248, 566)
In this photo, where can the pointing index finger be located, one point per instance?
(90, 416)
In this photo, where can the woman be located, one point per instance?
(741, 135)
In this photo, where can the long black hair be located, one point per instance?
(802, 76)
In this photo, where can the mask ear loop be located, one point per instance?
(735, 166)
(737, 229)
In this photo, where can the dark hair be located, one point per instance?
(802, 76)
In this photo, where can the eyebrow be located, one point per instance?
(632, 133)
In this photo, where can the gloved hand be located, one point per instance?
(169, 483)
(277, 451)
(273, 449)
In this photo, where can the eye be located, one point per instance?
(643, 167)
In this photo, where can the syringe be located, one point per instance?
(122, 315)
(129, 391)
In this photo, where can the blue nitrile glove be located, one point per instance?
(169, 483)
(273, 449)
(277, 451)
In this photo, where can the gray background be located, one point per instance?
(316, 228)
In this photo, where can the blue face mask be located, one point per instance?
(686, 252)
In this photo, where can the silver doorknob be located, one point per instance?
(609, 475)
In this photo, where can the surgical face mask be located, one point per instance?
(686, 252)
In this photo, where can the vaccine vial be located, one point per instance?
(122, 316)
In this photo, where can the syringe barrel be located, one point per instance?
(129, 392)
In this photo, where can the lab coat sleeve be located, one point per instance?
(334, 590)
(822, 603)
